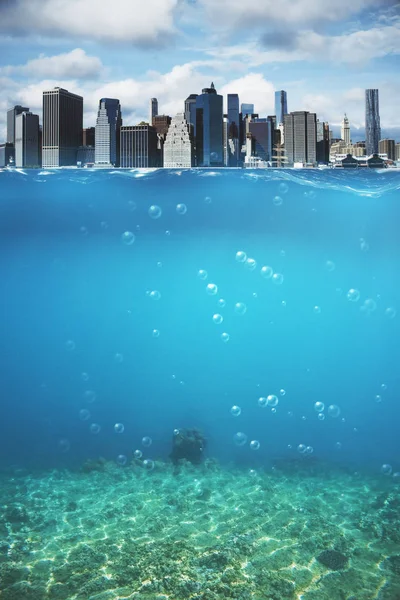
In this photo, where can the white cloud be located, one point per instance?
(132, 21)
(254, 89)
(75, 64)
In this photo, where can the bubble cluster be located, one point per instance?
(263, 402)
(319, 406)
(272, 400)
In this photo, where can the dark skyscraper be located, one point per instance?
(27, 140)
(11, 114)
(88, 136)
(262, 132)
(139, 147)
(280, 106)
(62, 127)
(372, 122)
(153, 109)
(300, 130)
(233, 145)
(209, 128)
(190, 110)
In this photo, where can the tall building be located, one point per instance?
(153, 109)
(62, 127)
(372, 122)
(345, 131)
(7, 154)
(247, 109)
(209, 128)
(178, 145)
(27, 140)
(388, 147)
(107, 137)
(397, 148)
(262, 132)
(233, 129)
(190, 110)
(88, 136)
(322, 142)
(161, 124)
(11, 115)
(280, 106)
(301, 137)
(139, 146)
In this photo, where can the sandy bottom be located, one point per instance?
(200, 533)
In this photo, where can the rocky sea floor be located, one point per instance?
(202, 533)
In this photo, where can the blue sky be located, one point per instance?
(323, 53)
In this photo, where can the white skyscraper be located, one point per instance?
(178, 145)
(107, 134)
(345, 132)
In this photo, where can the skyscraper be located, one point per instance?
(107, 136)
(262, 131)
(139, 146)
(62, 127)
(190, 110)
(27, 140)
(209, 128)
(300, 137)
(322, 142)
(153, 109)
(233, 126)
(372, 122)
(178, 145)
(11, 115)
(280, 106)
(247, 109)
(345, 130)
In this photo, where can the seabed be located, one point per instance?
(203, 532)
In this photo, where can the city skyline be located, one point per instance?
(324, 58)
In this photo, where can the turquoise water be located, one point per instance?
(260, 308)
(67, 275)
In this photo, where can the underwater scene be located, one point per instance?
(200, 384)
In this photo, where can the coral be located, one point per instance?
(188, 444)
(333, 560)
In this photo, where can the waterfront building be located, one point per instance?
(372, 121)
(280, 106)
(107, 136)
(7, 154)
(139, 146)
(85, 156)
(232, 131)
(88, 136)
(300, 129)
(397, 149)
(345, 130)
(27, 140)
(388, 147)
(62, 127)
(262, 132)
(322, 142)
(209, 128)
(11, 116)
(178, 145)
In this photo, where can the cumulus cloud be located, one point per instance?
(147, 23)
(74, 64)
(254, 89)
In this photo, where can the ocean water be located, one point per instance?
(139, 305)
